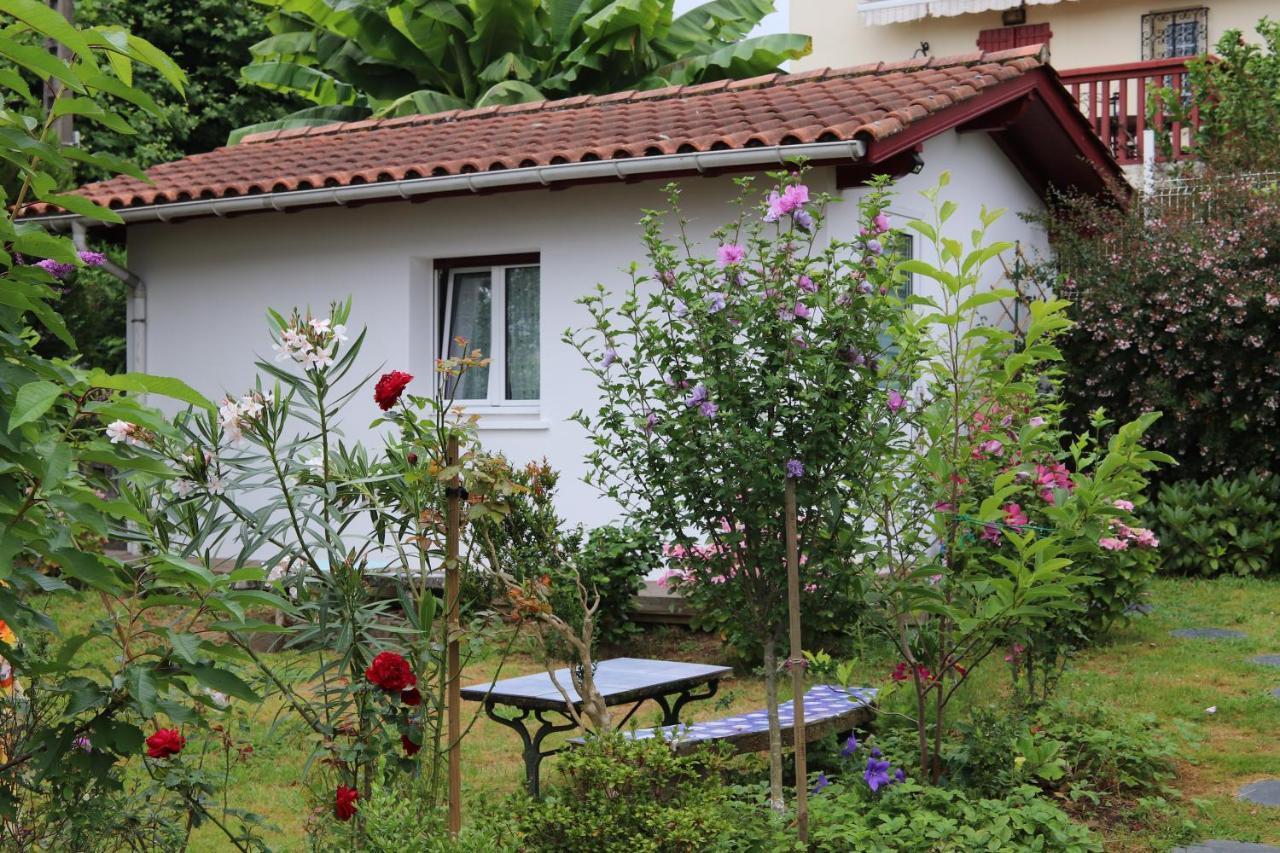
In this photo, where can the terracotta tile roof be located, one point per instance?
(868, 102)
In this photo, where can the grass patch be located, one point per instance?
(1140, 669)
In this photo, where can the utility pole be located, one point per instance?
(63, 128)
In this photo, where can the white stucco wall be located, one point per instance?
(210, 281)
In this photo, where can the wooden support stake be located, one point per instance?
(453, 676)
(797, 662)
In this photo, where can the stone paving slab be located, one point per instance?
(1214, 845)
(1208, 634)
(1266, 660)
(1265, 792)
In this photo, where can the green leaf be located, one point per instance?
(309, 83)
(510, 92)
(145, 383)
(185, 646)
(90, 569)
(32, 401)
(82, 206)
(224, 682)
(40, 62)
(140, 681)
(309, 117)
(49, 23)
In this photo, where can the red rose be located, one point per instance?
(389, 388)
(411, 697)
(410, 748)
(164, 743)
(344, 802)
(390, 672)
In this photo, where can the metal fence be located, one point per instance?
(1190, 192)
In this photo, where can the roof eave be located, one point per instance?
(553, 175)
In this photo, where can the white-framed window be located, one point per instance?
(494, 306)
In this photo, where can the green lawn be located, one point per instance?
(1141, 669)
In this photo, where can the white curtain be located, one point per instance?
(876, 12)
(524, 362)
(471, 317)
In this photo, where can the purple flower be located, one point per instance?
(806, 284)
(865, 287)
(679, 309)
(850, 745)
(853, 357)
(650, 421)
(610, 356)
(900, 775)
(877, 772)
(708, 409)
(803, 220)
(715, 302)
(697, 396)
(881, 223)
(82, 743)
(802, 311)
(896, 401)
(795, 469)
(667, 277)
(57, 269)
(730, 253)
(820, 783)
(93, 259)
(874, 247)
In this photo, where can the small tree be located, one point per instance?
(986, 515)
(721, 377)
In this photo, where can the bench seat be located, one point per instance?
(828, 709)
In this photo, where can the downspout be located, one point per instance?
(135, 357)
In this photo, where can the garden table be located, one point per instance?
(621, 681)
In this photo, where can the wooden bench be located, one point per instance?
(828, 710)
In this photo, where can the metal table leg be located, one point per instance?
(671, 709)
(532, 743)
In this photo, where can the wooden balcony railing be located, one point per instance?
(1114, 98)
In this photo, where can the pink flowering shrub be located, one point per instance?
(1177, 310)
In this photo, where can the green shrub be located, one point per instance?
(1222, 526)
(912, 818)
(399, 818)
(614, 560)
(639, 796)
(1108, 754)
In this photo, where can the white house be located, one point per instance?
(532, 205)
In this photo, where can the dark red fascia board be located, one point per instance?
(970, 114)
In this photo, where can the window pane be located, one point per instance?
(523, 316)
(471, 318)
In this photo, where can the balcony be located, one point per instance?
(1114, 99)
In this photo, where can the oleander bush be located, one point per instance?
(1221, 526)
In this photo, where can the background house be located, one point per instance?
(1110, 53)
(420, 218)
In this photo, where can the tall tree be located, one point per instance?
(207, 38)
(356, 58)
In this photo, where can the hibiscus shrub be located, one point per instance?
(1222, 526)
(1177, 309)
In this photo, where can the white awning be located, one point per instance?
(897, 11)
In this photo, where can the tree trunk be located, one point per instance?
(776, 800)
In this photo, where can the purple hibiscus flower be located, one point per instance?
(896, 401)
(806, 284)
(795, 469)
(609, 357)
(697, 396)
(708, 409)
(715, 302)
